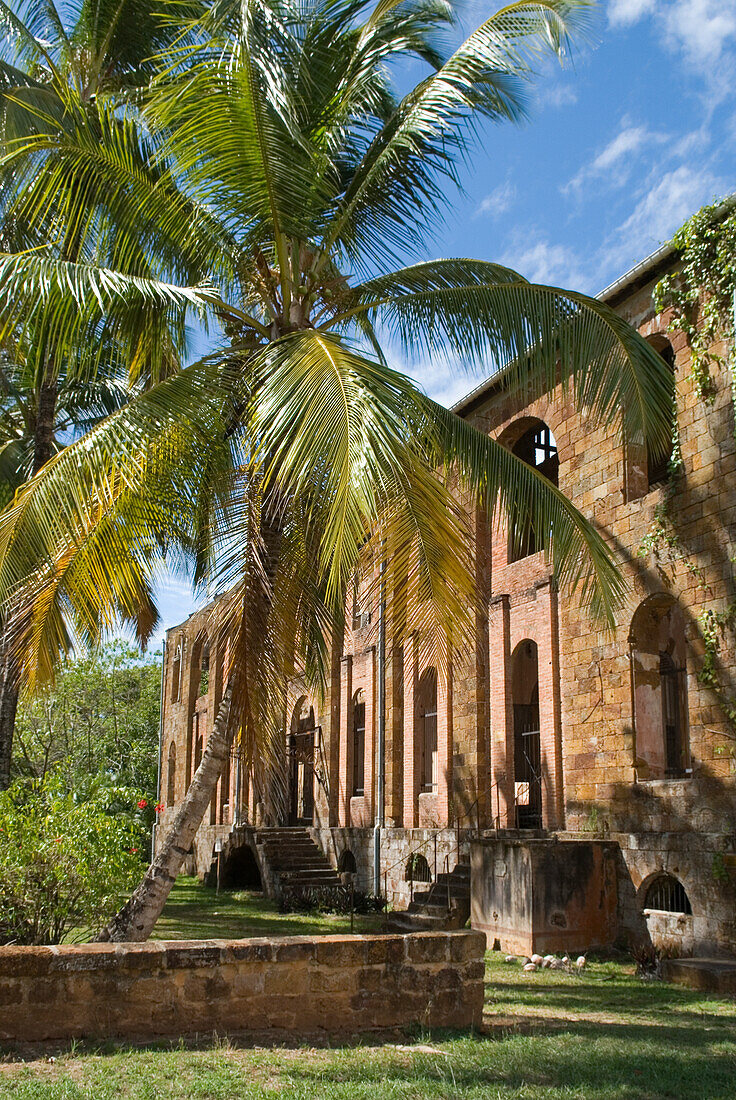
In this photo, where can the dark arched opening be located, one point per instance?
(240, 871)
(538, 448)
(346, 863)
(427, 729)
(659, 675)
(667, 894)
(527, 740)
(301, 763)
(417, 869)
(658, 466)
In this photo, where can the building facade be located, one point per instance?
(551, 723)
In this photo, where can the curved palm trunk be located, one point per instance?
(9, 672)
(135, 921)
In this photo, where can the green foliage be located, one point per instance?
(97, 724)
(701, 292)
(64, 862)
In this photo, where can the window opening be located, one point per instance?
(668, 895)
(346, 863)
(171, 782)
(536, 447)
(417, 869)
(176, 676)
(359, 743)
(428, 729)
(658, 469)
(204, 671)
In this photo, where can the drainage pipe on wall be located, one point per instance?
(381, 729)
(160, 748)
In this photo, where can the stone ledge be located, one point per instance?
(295, 985)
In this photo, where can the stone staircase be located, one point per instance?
(291, 858)
(444, 905)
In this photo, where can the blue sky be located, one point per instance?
(622, 146)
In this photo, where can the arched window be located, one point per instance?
(346, 863)
(537, 447)
(658, 468)
(204, 670)
(427, 730)
(527, 741)
(176, 676)
(667, 894)
(171, 776)
(359, 743)
(417, 869)
(658, 667)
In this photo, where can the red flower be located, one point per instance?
(142, 803)
(58, 839)
(132, 851)
(159, 807)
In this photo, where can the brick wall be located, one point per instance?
(294, 986)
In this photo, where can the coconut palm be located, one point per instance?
(66, 76)
(295, 454)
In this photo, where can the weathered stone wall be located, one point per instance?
(291, 986)
(544, 895)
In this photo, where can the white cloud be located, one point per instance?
(614, 162)
(561, 95)
(702, 29)
(622, 13)
(661, 210)
(540, 261)
(498, 201)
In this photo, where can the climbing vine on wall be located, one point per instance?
(701, 296)
(701, 291)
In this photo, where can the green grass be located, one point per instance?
(602, 1035)
(195, 912)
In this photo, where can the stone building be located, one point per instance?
(554, 730)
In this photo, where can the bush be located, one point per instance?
(299, 898)
(64, 864)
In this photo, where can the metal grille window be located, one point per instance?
(417, 869)
(668, 895)
(359, 743)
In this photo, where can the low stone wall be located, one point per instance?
(289, 986)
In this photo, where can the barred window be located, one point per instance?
(668, 895)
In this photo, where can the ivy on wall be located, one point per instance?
(701, 291)
(700, 294)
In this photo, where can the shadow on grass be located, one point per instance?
(196, 912)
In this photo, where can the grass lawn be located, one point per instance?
(195, 912)
(602, 1035)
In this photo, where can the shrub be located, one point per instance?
(65, 864)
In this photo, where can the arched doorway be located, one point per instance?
(659, 681)
(527, 744)
(301, 764)
(240, 870)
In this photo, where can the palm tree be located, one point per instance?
(66, 74)
(295, 454)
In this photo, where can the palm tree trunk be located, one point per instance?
(135, 921)
(8, 708)
(43, 445)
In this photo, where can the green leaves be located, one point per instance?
(536, 337)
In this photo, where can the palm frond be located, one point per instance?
(542, 336)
